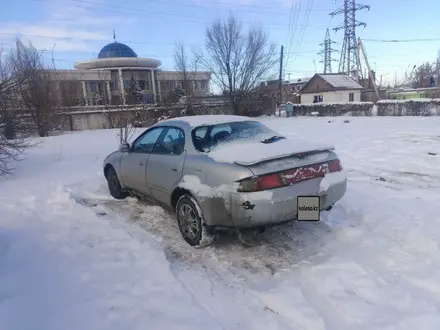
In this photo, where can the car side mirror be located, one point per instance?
(124, 147)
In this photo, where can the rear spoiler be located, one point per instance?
(297, 153)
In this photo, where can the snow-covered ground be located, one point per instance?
(72, 258)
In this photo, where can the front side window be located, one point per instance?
(208, 137)
(171, 143)
(145, 144)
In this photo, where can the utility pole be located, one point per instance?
(280, 81)
(348, 62)
(326, 53)
(360, 46)
(19, 54)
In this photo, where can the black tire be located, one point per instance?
(114, 186)
(189, 220)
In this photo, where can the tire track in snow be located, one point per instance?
(309, 241)
(142, 235)
(216, 291)
(277, 254)
(199, 282)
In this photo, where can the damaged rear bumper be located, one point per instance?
(245, 210)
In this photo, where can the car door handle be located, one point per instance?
(141, 163)
(174, 169)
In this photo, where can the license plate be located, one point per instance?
(308, 208)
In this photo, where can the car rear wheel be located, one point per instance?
(189, 220)
(114, 186)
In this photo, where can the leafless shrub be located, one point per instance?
(123, 118)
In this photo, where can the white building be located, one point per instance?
(330, 88)
(105, 80)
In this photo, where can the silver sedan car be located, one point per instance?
(220, 171)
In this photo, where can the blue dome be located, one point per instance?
(116, 49)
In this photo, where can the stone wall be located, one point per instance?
(139, 117)
(414, 107)
(101, 117)
(334, 109)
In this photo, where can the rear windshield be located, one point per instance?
(208, 137)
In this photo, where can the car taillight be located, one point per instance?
(269, 182)
(334, 166)
(260, 183)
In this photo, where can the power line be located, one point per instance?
(292, 18)
(94, 53)
(402, 40)
(247, 8)
(292, 37)
(157, 14)
(303, 28)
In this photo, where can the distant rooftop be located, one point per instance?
(340, 81)
(299, 80)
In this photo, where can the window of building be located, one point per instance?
(92, 86)
(317, 98)
(203, 84)
(351, 97)
(141, 84)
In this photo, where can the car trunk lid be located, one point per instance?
(277, 154)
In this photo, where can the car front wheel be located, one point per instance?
(114, 186)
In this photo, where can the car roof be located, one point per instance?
(202, 120)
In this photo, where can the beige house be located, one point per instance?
(330, 88)
(105, 80)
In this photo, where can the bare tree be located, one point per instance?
(186, 68)
(38, 90)
(13, 139)
(8, 102)
(239, 60)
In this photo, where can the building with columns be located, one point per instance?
(117, 70)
